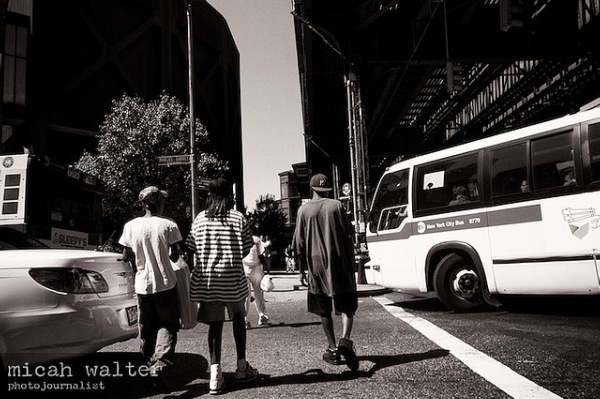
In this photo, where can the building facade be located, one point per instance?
(65, 61)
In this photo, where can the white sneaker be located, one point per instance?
(263, 319)
(247, 375)
(217, 382)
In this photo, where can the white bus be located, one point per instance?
(510, 214)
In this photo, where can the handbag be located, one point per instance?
(266, 284)
(188, 310)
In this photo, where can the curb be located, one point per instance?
(365, 290)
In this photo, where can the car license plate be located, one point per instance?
(132, 315)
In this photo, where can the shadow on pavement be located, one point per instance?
(383, 361)
(313, 376)
(280, 324)
(102, 375)
(556, 305)
(576, 305)
(422, 304)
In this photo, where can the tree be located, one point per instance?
(269, 219)
(132, 137)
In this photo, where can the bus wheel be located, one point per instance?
(457, 284)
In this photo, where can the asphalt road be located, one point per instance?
(408, 347)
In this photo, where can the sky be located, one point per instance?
(272, 132)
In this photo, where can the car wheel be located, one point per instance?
(457, 284)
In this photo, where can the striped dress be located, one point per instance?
(219, 243)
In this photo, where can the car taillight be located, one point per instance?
(70, 281)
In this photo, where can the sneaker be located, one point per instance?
(263, 319)
(332, 356)
(247, 375)
(217, 382)
(158, 368)
(346, 349)
(248, 325)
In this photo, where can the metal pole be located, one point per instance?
(350, 81)
(190, 54)
(355, 144)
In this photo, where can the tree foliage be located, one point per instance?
(132, 137)
(269, 219)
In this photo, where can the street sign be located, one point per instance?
(203, 183)
(169, 160)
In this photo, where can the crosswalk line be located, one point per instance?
(492, 370)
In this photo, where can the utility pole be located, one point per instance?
(190, 56)
(358, 168)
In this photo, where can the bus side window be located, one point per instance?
(594, 140)
(438, 182)
(552, 160)
(509, 170)
(391, 218)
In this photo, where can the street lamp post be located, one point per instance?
(190, 56)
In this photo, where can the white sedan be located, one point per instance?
(58, 304)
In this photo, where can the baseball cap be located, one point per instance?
(320, 183)
(220, 187)
(152, 194)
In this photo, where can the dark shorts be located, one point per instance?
(220, 311)
(323, 305)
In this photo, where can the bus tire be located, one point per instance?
(457, 284)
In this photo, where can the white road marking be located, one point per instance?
(492, 370)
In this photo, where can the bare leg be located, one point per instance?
(239, 335)
(347, 322)
(215, 338)
(327, 323)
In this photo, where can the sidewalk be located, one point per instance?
(285, 281)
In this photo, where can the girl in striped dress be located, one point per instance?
(220, 237)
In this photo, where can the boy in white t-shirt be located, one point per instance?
(150, 242)
(253, 267)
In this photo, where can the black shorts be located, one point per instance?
(322, 305)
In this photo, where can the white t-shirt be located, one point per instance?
(252, 259)
(149, 238)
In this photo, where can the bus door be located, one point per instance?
(389, 233)
(540, 240)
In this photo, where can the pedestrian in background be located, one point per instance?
(150, 242)
(253, 267)
(220, 237)
(290, 259)
(324, 245)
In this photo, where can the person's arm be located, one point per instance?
(174, 252)
(260, 251)
(263, 262)
(247, 240)
(129, 256)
